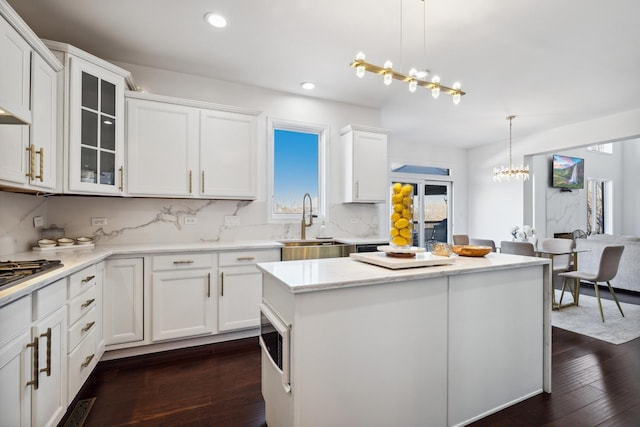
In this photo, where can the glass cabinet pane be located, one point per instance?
(89, 91)
(107, 167)
(107, 133)
(108, 98)
(89, 162)
(89, 128)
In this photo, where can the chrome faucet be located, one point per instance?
(304, 225)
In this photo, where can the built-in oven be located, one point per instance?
(274, 340)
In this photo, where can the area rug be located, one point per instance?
(585, 319)
(80, 412)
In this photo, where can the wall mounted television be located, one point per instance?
(567, 172)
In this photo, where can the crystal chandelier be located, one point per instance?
(503, 174)
(415, 77)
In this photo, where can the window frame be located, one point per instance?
(323, 134)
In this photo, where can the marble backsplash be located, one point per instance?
(142, 220)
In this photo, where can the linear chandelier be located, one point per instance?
(503, 174)
(413, 78)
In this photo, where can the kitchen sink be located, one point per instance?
(314, 249)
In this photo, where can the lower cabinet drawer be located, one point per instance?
(82, 360)
(82, 304)
(83, 327)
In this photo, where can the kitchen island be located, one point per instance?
(366, 345)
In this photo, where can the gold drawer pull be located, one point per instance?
(186, 261)
(88, 279)
(41, 153)
(121, 187)
(88, 326)
(88, 302)
(35, 356)
(87, 361)
(47, 335)
(32, 161)
(245, 258)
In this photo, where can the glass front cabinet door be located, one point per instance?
(96, 129)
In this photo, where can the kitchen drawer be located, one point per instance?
(228, 259)
(82, 304)
(82, 360)
(183, 261)
(83, 327)
(15, 318)
(81, 280)
(49, 299)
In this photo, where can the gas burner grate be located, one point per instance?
(15, 272)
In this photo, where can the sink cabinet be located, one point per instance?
(364, 152)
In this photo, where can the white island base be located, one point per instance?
(433, 346)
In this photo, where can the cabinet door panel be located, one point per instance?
(15, 372)
(161, 141)
(13, 153)
(369, 166)
(14, 72)
(123, 301)
(240, 297)
(228, 154)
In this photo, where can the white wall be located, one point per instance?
(495, 207)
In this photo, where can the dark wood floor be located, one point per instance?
(594, 384)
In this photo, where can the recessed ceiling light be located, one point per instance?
(215, 20)
(308, 85)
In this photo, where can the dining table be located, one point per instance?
(573, 264)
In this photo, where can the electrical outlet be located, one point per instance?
(355, 220)
(98, 221)
(231, 221)
(190, 220)
(38, 222)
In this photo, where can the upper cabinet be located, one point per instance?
(28, 89)
(365, 164)
(93, 125)
(198, 149)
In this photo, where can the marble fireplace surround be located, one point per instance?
(145, 220)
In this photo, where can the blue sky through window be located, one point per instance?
(295, 161)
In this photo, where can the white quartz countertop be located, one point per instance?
(79, 257)
(331, 273)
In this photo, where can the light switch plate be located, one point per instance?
(190, 220)
(98, 221)
(38, 222)
(231, 221)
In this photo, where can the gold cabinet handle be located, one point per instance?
(202, 183)
(121, 188)
(222, 283)
(185, 261)
(190, 182)
(245, 258)
(40, 152)
(87, 361)
(87, 279)
(357, 189)
(32, 161)
(35, 355)
(47, 335)
(88, 326)
(208, 285)
(88, 302)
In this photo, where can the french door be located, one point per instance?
(432, 209)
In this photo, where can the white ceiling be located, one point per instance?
(550, 62)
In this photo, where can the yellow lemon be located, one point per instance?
(395, 216)
(406, 213)
(397, 187)
(405, 232)
(406, 201)
(398, 207)
(407, 189)
(396, 198)
(393, 232)
(399, 241)
(402, 223)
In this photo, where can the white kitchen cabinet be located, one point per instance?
(162, 144)
(241, 288)
(183, 296)
(93, 136)
(197, 149)
(123, 300)
(365, 164)
(14, 74)
(228, 155)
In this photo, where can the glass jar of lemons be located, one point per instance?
(401, 229)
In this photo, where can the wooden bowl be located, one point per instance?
(471, 250)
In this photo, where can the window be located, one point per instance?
(601, 148)
(297, 165)
(597, 199)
